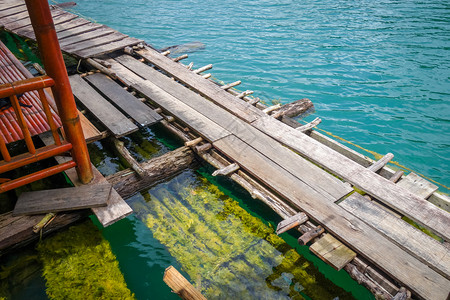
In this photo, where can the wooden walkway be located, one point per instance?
(77, 36)
(308, 172)
(257, 143)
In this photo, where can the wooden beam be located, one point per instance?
(180, 285)
(227, 170)
(381, 162)
(291, 222)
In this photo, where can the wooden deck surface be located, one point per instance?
(250, 141)
(77, 36)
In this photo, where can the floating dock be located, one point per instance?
(307, 178)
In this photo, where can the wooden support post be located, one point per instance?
(206, 76)
(289, 223)
(193, 142)
(254, 101)
(184, 56)
(127, 156)
(311, 234)
(310, 125)
(101, 68)
(294, 109)
(181, 285)
(227, 170)
(203, 148)
(272, 108)
(381, 162)
(128, 50)
(397, 175)
(203, 69)
(244, 93)
(165, 53)
(190, 66)
(230, 85)
(403, 294)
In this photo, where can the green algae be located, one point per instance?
(226, 251)
(79, 264)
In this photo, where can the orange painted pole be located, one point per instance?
(51, 56)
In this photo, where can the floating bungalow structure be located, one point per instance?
(355, 213)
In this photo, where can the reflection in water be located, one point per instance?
(225, 251)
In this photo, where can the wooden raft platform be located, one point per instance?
(259, 145)
(77, 36)
(311, 173)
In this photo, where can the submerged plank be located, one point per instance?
(65, 199)
(317, 178)
(137, 110)
(204, 126)
(113, 119)
(352, 231)
(181, 285)
(332, 251)
(394, 196)
(203, 86)
(417, 243)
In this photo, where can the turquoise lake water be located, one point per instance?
(378, 72)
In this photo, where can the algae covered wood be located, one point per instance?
(112, 118)
(425, 248)
(56, 200)
(332, 251)
(352, 231)
(396, 197)
(180, 285)
(417, 185)
(138, 111)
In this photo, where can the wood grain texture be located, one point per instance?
(204, 126)
(65, 199)
(181, 285)
(332, 251)
(113, 119)
(425, 248)
(394, 196)
(203, 86)
(138, 111)
(418, 186)
(351, 230)
(107, 47)
(319, 179)
(84, 36)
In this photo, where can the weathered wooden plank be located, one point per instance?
(95, 42)
(113, 119)
(14, 16)
(116, 209)
(291, 222)
(352, 231)
(90, 132)
(440, 200)
(127, 76)
(137, 110)
(181, 285)
(26, 22)
(416, 208)
(417, 243)
(75, 27)
(108, 47)
(204, 126)
(317, 178)
(332, 251)
(417, 185)
(4, 5)
(203, 86)
(84, 36)
(65, 199)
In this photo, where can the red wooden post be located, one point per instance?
(51, 56)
